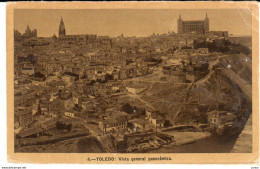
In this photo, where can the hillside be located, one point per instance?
(229, 89)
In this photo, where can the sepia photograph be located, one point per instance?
(132, 81)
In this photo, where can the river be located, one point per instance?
(212, 144)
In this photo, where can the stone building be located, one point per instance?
(28, 33)
(84, 38)
(199, 26)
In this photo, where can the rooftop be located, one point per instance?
(30, 132)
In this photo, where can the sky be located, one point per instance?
(130, 22)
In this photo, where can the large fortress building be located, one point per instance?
(200, 26)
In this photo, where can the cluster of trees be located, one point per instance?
(152, 59)
(213, 46)
(63, 126)
(200, 117)
(223, 46)
(108, 77)
(239, 48)
(167, 124)
(128, 108)
(38, 74)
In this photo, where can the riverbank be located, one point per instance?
(48, 139)
(180, 138)
(245, 139)
(185, 142)
(85, 144)
(212, 144)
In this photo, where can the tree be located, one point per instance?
(167, 124)
(108, 77)
(200, 117)
(62, 126)
(59, 125)
(128, 108)
(39, 109)
(69, 126)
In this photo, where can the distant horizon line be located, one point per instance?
(235, 35)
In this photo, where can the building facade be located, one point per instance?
(111, 125)
(200, 26)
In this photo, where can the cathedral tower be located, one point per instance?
(206, 24)
(179, 25)
(62, 31)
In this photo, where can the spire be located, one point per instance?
(206, 15)
(180, 16)
(62, 30)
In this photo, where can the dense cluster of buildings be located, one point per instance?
(83, 76)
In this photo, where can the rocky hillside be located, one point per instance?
(228, 89)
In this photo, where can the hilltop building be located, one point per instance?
(199, 26)
(28, 33)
